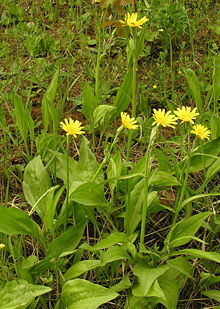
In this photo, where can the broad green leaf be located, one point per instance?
(161, 178)
(214, 294)
(164, 164)
(36, 183)
(49, 111)
(123, 96)
(182, 265)
(102, 115)
(215, 125)
(51, 201)
(194, 87)
(114, 170)
(21, 118)
(66, 241)
(113, 254)
(169, 286)
(124, 284)
(46, 142)
(89, 194)
(212, 171)
(184, 230)
(146, 277)
(111, 240)
(212, 256)
(134, 302)
(89, 103)
(79, 293)
(216, 78)
(134, 206)
(80, 268)
(87, 162)
(18, 294)
(14, 221)
(202, 155)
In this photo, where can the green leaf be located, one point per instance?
(66, 241)
(212, 171)
(52, 199)
(114, 170)
(215, 125)
(216, 78)
(18, 294)
(87, 162)
(194, 87)
(124, 284)
(162, 178)
(21, 118)
(198, 196)
(49, 111)
(214, 294)
(147, 277)
(14, 221)
(36, 184)
(111, 240)
(102, 115)
(89, 103)
(212, 256)
(79, 293)
(123, 96)
(184, 230)
(202, 156)
(182, 265)
(113, 254)
(80, 268)
(134, 206)
(89, 194)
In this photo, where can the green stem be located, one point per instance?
(107, 156)
(134, 80)
(146, 186)
(185, 174)
(67, 176)
(172, 73)
(99, 55)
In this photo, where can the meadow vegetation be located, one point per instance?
(109, 161)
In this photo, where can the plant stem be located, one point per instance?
(67, 176)
(147, 169)
(134, 80)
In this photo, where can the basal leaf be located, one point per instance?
(79, 293)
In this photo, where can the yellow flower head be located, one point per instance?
(131, 20)
(163, 118)
(2, 246)
(72, 127)
(96, 0)
(186, 114)
(201, 131)
(154, 86)
(128, 122)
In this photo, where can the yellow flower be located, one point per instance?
(72, 127)
(154, 86)
(163, 118)
(131, 20)
(96, 0)
(201, 131)
(186, 114)
(2, 246)
(128, 122)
